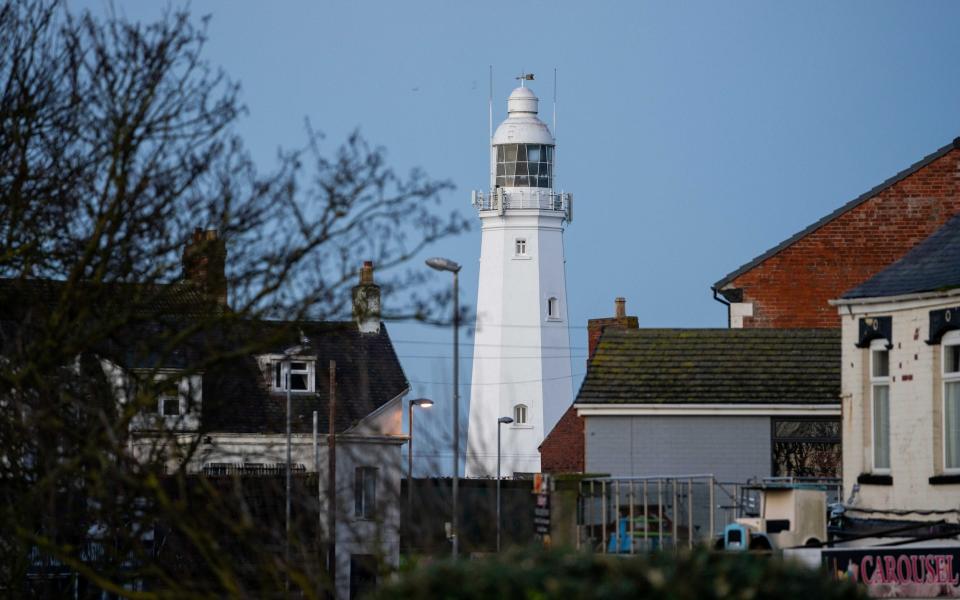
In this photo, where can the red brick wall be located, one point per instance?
(791, 288)
(562, 451)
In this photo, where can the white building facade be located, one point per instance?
(521, 359)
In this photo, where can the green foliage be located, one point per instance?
(536, 575)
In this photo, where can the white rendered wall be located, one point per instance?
(916, 401)
(521, 356)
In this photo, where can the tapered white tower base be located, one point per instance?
(521, 364)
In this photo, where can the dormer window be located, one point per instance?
(301, 375)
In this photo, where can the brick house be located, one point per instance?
(790, 284)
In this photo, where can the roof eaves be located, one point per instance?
(955, 144)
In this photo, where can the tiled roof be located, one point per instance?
(843, 209)
(931, 265)
(714, 366)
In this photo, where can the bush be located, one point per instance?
(535, 574)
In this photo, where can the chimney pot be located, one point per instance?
(621, 307)
(366, 273)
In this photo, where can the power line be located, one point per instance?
(447, 343)
(498, 382)
(472, 356)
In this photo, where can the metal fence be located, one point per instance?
(630, 515)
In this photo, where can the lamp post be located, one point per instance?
(445, 264)
(287, 354)
(500, 423)
(422, 403)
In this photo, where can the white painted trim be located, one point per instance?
(951, 338)
(610, 410)
(382, 409)
(915, 300)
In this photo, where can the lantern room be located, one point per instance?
(523, 147)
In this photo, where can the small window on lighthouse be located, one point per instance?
(520, 414)
(553, 308)
(520, 247)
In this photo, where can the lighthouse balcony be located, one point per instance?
(501, 200)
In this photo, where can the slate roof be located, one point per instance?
(236, 395)
(955, 144)
(932, 265)
(714, 366)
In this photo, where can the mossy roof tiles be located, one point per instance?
(714, 366)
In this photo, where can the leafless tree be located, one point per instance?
(117, 140)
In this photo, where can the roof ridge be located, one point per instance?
(923, 162)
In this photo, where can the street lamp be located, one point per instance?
(287, 355)
(445, 264)
(422, 403)
(500, 422)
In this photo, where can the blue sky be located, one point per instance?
(694, 135)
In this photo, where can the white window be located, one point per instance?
(364, 492)
(520, 247)
(520, 414)
(951, 402)
(301, 375)
(880, 404)
(553, 308)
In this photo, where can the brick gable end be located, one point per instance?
(792, 287)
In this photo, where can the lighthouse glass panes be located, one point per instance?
(525, 165)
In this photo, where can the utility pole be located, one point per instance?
(332, 480)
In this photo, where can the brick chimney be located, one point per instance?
(620, 320)
(366, 301)
(204, 262)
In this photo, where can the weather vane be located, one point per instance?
(524, 76)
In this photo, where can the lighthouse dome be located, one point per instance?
(522, 126)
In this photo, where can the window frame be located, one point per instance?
(516, 411)
(553, 309)
(280, 373)
(950, 339)
(878, 345)
(364, 508)
(520, 248)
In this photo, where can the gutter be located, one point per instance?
(883, 299)
(724, 302)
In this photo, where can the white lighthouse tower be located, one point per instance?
(521, 355)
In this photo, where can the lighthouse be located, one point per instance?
(521, 354)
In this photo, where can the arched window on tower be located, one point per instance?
(520, 414)
(553, 308)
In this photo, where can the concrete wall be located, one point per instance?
(732, 448)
